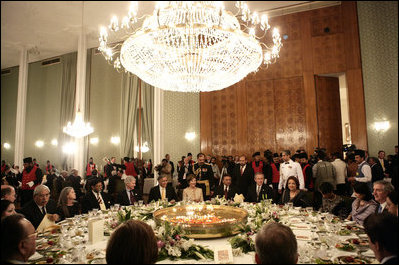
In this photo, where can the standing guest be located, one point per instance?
(166, 171)
(287, 169)
(130, 169)
(74, 180)
(50, 182)
(208, 159)
(363, 173)
(383, 162)
(268, 170)
(226, 190)
(260, 190)
(341, 172)
(377, 173)
(215, 169)
(90, 167)
(243, 176)
(162, 191)
(8, 193)
(382, 230)
(31, 177)
(18, 240)
(293, 194)
(231, 166)
(167, 157)
(10, 178)
(49, 167)
(257, 164)
(363, 205)
(95, 198)
(60, 183)
(36, 209)
(121, 249)
(275, 243)
(116, 184)
(130, 194)
(392, 203)
(332, 203)
(184, 171)
(323, 171)
(35, 163)
(190, 159)
(306, 171)
(275, 178)
(67, 205)
(204, 174)
(3, 166)
(276, 160)
(7, 208)
(381, 189)
(192, 193)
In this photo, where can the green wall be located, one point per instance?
(378, 28)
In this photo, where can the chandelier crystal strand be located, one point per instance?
(191, 46)
(79, 128)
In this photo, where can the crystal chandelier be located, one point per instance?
(79, 128)
(191, 46)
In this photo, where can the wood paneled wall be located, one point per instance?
(276, 108)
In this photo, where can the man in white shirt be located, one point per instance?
(341, 172)
(363, 173)
(381, 189)
(290, 168)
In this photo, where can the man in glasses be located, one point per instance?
(18, 239)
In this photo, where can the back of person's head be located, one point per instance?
(326, 188)
(133, 242)
(337, 155)
(321, 155)
(383, 228)
(363, 188)
(276, 243)
(12, 232)
(5, 190)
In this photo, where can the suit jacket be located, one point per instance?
(393, 260)
(34, 214)
(89, 201)
(182, 170)
(265, 192)
(124, 200)
(155, 194)
(377, 172)
(230, 194)
(242, 182)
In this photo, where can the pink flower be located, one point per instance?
(177, 237)
(171, 242)
(160, 244)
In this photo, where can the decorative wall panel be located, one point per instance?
(328, 54)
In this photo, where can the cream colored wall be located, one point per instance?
(378, 29)
(181, 115)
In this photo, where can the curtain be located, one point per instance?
(147, 94)
(68, 90)
(87, 104)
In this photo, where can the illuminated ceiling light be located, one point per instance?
(115, 140)
(6, 145)
(190, 136)
(54, 142)
(381, 126)
(191, 46)
(144, 148)
(69, 148)
(39, 143)
(94, 140)
(79, 128)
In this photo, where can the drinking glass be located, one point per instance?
(290, 205)
(141, 203)
(117, 207)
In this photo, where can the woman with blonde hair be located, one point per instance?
(192, 193)
(67, 205)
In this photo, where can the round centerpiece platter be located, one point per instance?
(204, 221)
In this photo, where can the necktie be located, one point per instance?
(257, 190)
(44, 210)
(379, 209)
(99, 199)
(225, 193)
(132, 199)
(242, 170)
(163, 194)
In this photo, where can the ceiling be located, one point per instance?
(52, 28)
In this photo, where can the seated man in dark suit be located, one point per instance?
(382, 230)
(162, 191)
(226, 190)
(41, 205)
(130, 195)
(259, 191)
(95, 198)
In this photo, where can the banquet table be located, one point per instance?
(317, 234)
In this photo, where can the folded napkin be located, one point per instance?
(35, 256)
(369, 253)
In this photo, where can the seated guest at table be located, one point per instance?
(192, 193)
(41, 205)
(392, 203)
(293, 194)
(275, 243)
(382, 230)
(95, 198)
(259, 191)
(226, 190)
(363, 205)
(121, 249)
(8, 193)
(7, 208)
(162, 191)
(67, 205)
(130, 194)
(18, 240)
(332, 203)
(381, 189)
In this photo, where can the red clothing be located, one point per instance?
(275, 173)
(3, 169)
(90, 168)
(257, 168)
(130, 170)
(48, 168)
(305, 177)
(28, 177)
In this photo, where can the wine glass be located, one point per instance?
(141, 203)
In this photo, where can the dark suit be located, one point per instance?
(123, 198)
(34, 214)
(393, 260)
(182, 170)
(173, 168)
(242, 182)
(155, 194)
(377, 172)
(89, 201)
(265, 192)
(230, 193)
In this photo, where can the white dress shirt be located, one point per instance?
(290, 169)
(340, 170)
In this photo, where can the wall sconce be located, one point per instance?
(115, 140)
(190, 136)
(54, 142)
(39, 143)
(6, 145)
(95, 140)
(381, 126)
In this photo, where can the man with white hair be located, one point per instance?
(130, 194)
(381, 189)
(41, 205)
